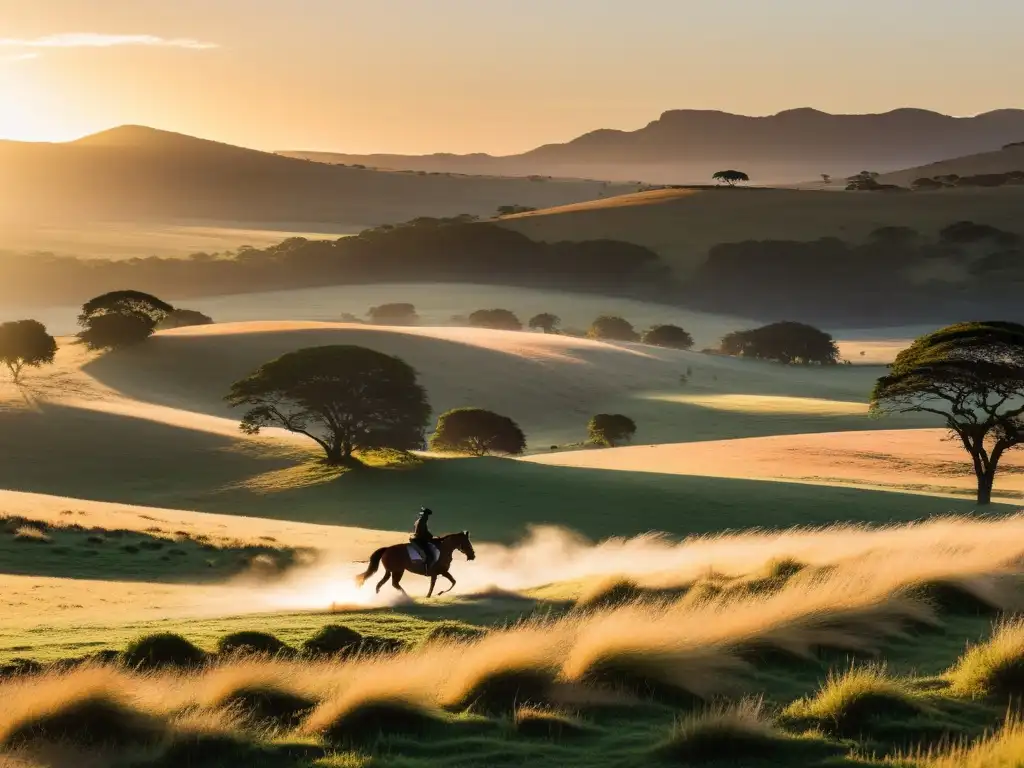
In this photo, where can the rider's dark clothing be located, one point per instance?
(421, 535)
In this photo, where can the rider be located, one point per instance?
(422, 536)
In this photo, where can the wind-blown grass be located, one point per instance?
(993, 668)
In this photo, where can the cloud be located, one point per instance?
(97, 40)
(19, 57)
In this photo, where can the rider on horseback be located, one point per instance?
(422, 537)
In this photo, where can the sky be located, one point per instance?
(419, 76)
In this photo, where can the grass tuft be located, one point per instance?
(993, 668)
(333, 640)
(268, 704)
(453, 631)
(502, 689)
(610, 593)
(855, 703)
(31, 535)
(249, 642)
(537, 723)
(164, 649)
(357, 722)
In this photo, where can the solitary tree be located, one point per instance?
(611, 429)
(667, 336)
(786, 342)
(398, 313)
(546, 322)
(477, 431)
(826, 178)
(120, 318)
(971, 375)
(612, 328)
(730, 177)
(25, 343)
(345, 398)
(498, 319)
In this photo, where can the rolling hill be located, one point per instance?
(687, 146)
(133, 173)
(1009, 158)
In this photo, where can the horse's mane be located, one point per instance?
(451, 535)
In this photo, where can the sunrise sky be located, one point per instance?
(419, 76)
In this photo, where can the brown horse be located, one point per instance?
(396, 562)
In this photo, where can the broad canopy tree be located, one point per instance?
(477, 431)
(971, 375)
(611, 429)
(612, 328)
(545, 321)
(25, 343)
(785, 342)
(120, 318)
(345, 398)
(497, 319)
(671, 336)
(730, 177)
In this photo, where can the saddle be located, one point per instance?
(416, 553)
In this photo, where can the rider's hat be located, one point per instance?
(426, 511)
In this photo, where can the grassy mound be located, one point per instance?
(361, 722)
(251, 642)
(268, 704)
(453, 631)
(956, 596)
(535, 723)
(993, 668)
(93, 719)
(333, 640)
(855, 704)
(164, 649)
(611, 593)
(502, 689)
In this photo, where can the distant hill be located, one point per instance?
(1009, 158)
(687, 146)
(135, 172)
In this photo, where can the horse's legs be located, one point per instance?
(396, 580)
(433, 581)
(382, 582)
(449, 577)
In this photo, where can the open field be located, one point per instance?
(682, 224)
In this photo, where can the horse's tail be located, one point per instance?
(372, 569)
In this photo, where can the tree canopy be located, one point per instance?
(611, 429)
(25, 343)
(785, 342)
(730, 177)
(182, 318)
(970, 375)
(477, 431)
(612, 328)
(498, 319)
(120, 318)
(545, 321)
(398, 313)
(345, 398)
(667, 336)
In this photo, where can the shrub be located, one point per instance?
(546, 322)
(498, 319)
(268, 703)
(248, 642)
(612, 328)
(333, 640)
(25, 343)
(671, 336)
(393, 314)
(993, 668)
(611, 429)
(477, 431)
(164, 649)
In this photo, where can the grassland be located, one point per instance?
(682, 224)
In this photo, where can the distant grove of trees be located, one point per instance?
(398, 313)
(785, 342)
(496, 319)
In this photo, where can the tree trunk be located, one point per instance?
(985, 482)
(334, 454)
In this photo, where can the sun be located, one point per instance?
(31, 111)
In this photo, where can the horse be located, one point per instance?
(396, 561)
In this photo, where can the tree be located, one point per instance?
(786, 342)
(345, 398)
(730, 177)
(971, 375)
(612, 328)
(826, 178)
(498, 319)
(611, 429)
(182, 318)
(398, 313)
(120, 318)
(477, 431)
(25, 343)
(667, 336)
(546, 322)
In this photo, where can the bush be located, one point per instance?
(612, 328)
(785, 342)
(498, 319)
(671, 336)
(393, 314)
(546, 322)
(477, 431)
(249, 642)
(164, 649)
(333, 640)
(611, 429)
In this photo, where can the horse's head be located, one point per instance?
(464, 545)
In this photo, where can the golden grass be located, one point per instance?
(992, 668)
(31, 534)
(1003, 749)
